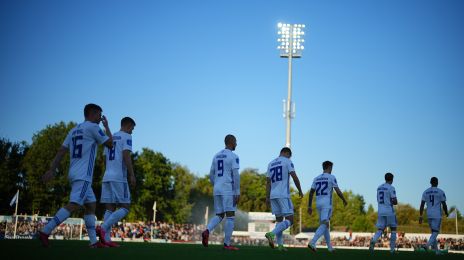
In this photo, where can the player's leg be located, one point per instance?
(381, 224)
(435, 228)
(90, 204)
(324, 222)
(392, 224)
(110, 206)
(121, 195)
(220, 212)
(76, 200)
(286, 207)
(327, 233)
(229, 207)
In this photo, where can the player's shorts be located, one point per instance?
(115, 192)
(282, 207)
(324, 214)
(386, 221)
(223, 203)
(81, 192)
(434, 224)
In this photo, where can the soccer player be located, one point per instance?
(82, 142)
(386, 198)
(435, 199)
(323, 185)
(225, 178)
(115, 188)
(279, 171)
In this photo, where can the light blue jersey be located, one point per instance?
(385, 194)
(323, 185)
(278, 171)
(116, 169)
(82, 142)
(224, 173)
(433, 197)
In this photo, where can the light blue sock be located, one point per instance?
(228, 229)
(319, 232)
(213, 223)
(392, 241)
(280, 238)
(60, 216)
(90, 225)
(114, 218)
(327, 239)
(377, 235)
(106, 218)
(281, 226)
(432, 239)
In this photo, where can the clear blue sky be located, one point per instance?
(380, 86)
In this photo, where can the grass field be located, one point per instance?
(67, 250)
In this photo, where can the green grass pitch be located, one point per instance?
(67, 250)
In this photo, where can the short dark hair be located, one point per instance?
(229, 139)
(388, 176)
(286, 150)
(326, 165)
(434, 181)
(127, 120)
(90, 108)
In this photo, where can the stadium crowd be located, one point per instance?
(27, 227)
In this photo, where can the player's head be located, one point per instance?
(93, 113)
(327, 166)
(389, 177)
(127, 124)
(286, 152)
(231, 142)
(434, 181)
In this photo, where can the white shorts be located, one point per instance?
(386, 221)
(81, 192)
(282, 207)
(115, 192)
(223, 203)
(434, 224)
(324, 214)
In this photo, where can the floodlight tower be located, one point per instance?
(290, 46)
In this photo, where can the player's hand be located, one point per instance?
(236, 199)
(420, 220)
(345, 203)
(300, 194)
(132, 181)
(48, 176)
(104, 121)
(310, 211)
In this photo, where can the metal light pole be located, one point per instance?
(291, 46)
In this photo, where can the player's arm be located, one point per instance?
(126, 154)
(340, 194)
(212, 173)
(54, 165)
(421, 211)
(310, 201)
(108, 143)
(268, 189)
(445, 207)
(297, 183)
(394, 201)
(236, 185)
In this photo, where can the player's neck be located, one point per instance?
(327, 172)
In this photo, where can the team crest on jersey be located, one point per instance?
(101, 132)
(129, 142)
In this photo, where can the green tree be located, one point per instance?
(13, 175)
(252, 191)
(45, 143)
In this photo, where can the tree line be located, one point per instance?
(181, 196)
